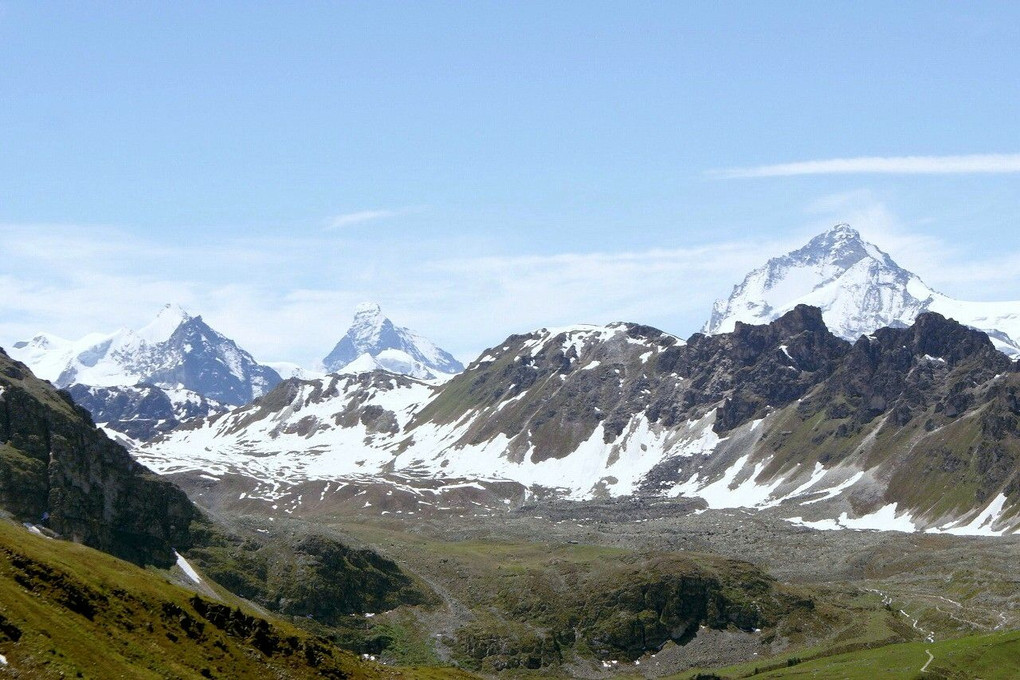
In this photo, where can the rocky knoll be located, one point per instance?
(311, 576)
(626, 607)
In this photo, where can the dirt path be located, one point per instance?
(931, 657)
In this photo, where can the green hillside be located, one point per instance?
(994, 656)
(68, 611)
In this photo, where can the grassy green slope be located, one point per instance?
(990, 657)
(69, 611)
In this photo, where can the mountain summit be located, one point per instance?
(373, 341)
(174, 351)
(859, 288)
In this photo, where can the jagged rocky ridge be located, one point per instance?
(859, 289)
(784, 414)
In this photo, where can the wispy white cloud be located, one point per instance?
(360, 217)
(72, 280)
(896, 165)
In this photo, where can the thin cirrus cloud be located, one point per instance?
(889, 165)
(361, 217)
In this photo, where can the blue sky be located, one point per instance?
(486, 168)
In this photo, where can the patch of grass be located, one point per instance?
(990, 656)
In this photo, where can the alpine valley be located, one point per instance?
(825, 483)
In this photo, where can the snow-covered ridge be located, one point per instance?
(859, 288)
(176, 350)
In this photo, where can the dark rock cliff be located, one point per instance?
(58, 470)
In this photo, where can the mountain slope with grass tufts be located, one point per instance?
(69, 611)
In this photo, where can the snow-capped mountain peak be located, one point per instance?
(368, 309)
(169, 319)
(858, 287)
(373, 336)
(175, 350)
(840, 247)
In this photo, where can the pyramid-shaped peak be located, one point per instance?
(173, 310)
(373, 334)
(840, 236)
(857, 286)
(841, 246)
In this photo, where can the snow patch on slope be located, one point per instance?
(186, 567)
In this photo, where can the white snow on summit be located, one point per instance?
(859, 289)
(373, 340)
(174, 350)
(163, 326)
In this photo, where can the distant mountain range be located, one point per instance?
(784, 415)
(866, 424)
(146, 382)
(859, 288)
(140, 383)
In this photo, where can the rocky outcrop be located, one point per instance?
(903, 371)
(311, 576)
(143, 411)
(58, 470)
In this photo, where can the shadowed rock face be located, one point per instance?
(904, 371)
(209, 363)
(142, 411)
(57, 469)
